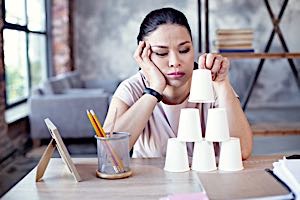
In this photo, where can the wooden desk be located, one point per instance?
(149, 181)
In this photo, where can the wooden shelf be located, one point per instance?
(276, 129)
(261, 55)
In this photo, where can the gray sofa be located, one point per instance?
(64, 99)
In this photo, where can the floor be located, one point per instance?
(13, 170)
(21, 163)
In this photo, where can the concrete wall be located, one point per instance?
(105, 33)
(105, 39)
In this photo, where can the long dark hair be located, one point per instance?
(160, 17)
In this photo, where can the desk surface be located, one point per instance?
(149, 181)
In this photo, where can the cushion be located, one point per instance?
(59, 84)
(47, 89)
(74, 79)
(108, 85)
(84, 91)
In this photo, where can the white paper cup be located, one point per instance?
(230, 155)
(189, 128)
(204, 159)
(201, 87)
(217, 129)
(176, 156)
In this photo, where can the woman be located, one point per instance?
(148, 104)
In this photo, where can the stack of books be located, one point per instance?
(234, 40)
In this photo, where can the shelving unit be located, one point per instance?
(262, 56)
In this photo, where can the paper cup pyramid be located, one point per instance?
(189, 130)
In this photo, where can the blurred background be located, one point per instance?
(59, 57)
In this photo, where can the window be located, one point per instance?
(25, 47)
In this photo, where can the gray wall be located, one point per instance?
(105, 33)
(105, 39)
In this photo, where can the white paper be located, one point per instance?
(289, 172)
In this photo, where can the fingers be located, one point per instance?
(153, 74)
(216, 63)
(210, 58)
(138, 52)
(146, 52)
(202, 61)
(223, 72)
(208, 61)
(142, 54)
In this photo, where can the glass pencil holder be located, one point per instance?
(113, 156)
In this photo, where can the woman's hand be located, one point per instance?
(154, 76)
(218, 65)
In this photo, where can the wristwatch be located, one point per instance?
(153, 93)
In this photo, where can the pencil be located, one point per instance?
(97, 122)
(100, 134)
(115, 156)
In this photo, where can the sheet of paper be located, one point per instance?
(289, 172)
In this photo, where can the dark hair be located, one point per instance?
(160, 17)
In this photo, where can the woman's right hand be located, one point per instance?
(154, 76)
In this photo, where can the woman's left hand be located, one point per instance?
(218, 65)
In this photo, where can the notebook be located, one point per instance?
(257, 184)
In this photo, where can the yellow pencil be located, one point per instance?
(97, 122)
(114, 154)
(98, 133)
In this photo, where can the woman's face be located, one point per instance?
(172, 52)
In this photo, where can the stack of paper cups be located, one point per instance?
(176, 156)
(217, 129)
(189, 128)
(201, 87)
(230, 155)
(204, 157)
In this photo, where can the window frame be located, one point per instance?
(48, 50)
